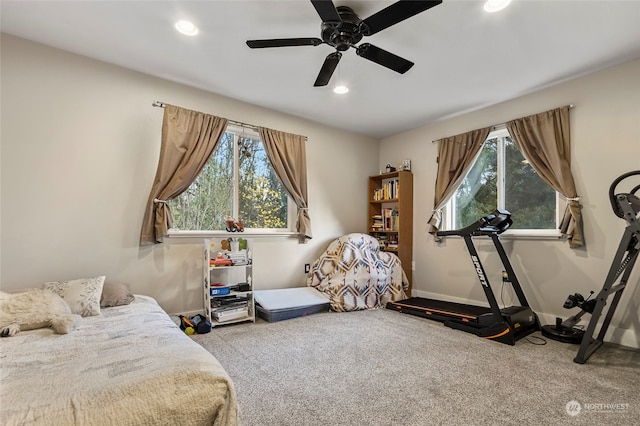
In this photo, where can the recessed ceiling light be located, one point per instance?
(186, 28)
(340, 89)
(495, 5)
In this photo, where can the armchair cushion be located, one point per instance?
(355, 274)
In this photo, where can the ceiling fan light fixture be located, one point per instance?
(340, 89)
(187, 28)
(495, 5)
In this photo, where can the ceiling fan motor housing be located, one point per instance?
(345, 34)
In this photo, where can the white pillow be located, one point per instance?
(82, 295)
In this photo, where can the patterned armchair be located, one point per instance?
(354, 274)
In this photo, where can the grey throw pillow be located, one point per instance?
(115, 294)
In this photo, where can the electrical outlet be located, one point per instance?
(307, 268)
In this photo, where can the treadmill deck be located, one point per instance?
(439, 309)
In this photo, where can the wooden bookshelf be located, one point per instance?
(390, 215)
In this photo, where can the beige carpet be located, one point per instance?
(380, 367)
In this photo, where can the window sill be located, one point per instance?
(544, 234)
(175, 233)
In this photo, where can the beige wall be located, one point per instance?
(605, 133)
(80, 146)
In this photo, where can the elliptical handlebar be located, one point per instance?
(494, 223)
(630, 197)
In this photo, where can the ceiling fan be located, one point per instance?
(341, 28)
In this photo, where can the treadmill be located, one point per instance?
(505, 325)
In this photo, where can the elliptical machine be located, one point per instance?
(626, 206)
(566, 331)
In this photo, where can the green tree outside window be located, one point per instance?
(258, 200)
(502, 178)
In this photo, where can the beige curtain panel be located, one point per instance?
(456, 155)
(545, 142)
(188, 139)
(288, 157)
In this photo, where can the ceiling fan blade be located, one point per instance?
(283, 42)
(397, 12)
(384, 58)
(327, 10)
(328, 67)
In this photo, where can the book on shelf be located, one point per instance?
(392, 242)
(382, 240)
(390, 219)
(387, 242)
(388, 191)
(376, 222)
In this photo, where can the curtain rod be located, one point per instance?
(237, 123)
(502, 125)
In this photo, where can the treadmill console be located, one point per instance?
(494, 223)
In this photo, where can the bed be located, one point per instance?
(130, 365)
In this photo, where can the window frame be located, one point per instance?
(500, 133)
(241, 131)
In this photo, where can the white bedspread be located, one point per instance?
(129, 366)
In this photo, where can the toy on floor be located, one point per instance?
(196, 324)
(201, 323)
(186, 325)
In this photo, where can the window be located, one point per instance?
(239, 181)
(502, 178)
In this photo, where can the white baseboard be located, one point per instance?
(621, 336)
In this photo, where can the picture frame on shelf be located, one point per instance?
(406, 165)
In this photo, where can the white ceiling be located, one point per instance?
(465, 58)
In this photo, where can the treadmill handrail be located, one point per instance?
(495, 223)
